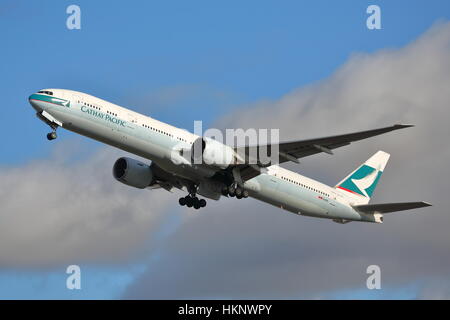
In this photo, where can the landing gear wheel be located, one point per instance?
(238, 192)
(189, 202)
(239, 197)
(231, 191)
(202, 203)
(182, 201)
(245, 194)
(196, 203)
(51, 136)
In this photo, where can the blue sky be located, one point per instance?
(177, 61)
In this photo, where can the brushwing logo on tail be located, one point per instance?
(363, 181)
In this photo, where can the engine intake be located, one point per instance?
(133, 173)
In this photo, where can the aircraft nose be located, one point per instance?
(34, 102)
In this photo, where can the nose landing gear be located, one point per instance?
(52, 135)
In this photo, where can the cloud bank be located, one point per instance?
(56, 211)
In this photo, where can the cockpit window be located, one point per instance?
(46, 92)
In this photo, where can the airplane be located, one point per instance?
(170, 151)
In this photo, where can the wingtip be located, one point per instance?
(427, 204)
(402, 126)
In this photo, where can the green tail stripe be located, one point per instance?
(360, 174)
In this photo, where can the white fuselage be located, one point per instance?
(154, 140)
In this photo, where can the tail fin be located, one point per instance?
(360, 184)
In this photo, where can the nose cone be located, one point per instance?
(35, 103)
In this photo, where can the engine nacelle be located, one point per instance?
(133, 173)
(211, 152)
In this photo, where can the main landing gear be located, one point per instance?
(192, 201)
(235, 191)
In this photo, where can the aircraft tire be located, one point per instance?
(51, 136)
(231, 191)
(189, 202)
(196, 203)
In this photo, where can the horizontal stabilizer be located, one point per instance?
(390, 207)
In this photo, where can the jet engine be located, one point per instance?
(211, 152)
(133, 173)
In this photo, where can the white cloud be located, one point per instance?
(54, 211)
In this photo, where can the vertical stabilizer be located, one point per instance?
(359, 185)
